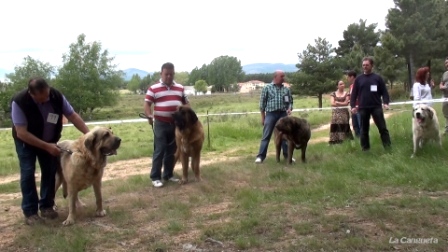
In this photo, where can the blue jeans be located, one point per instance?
(27, 159)
(269, 123)
(164, 149)
(356, 123)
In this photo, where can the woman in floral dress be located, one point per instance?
(340, 116)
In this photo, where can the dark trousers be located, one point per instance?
(164, 149)
(27, 158)
(378, 117)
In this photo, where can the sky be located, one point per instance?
(188, 33)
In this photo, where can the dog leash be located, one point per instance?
(143, 115)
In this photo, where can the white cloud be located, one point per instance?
(145, 34)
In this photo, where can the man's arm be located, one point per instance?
(185, 100)
(78, 122)
(148, 111)
(73, 117)
(27, 137)
(384, 92)
(354, 94)
(263, 102)
(20, 124)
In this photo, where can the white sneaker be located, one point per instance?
(293, 160)
(173, 179)
(157, 183)
(258, 160)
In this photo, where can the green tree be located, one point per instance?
(30, 68)
(88, 77)
(389, 65)
(155, 78)
(145, 83)
(224, 71)
(420, 27)
(352, 60)
(198, 74)
(264, 77)
(200, 86)
(18, 80)
(359, 41)
(182, 78)
(134, 83)
(359, 34)
(318, 72)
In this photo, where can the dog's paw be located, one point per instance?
(69, 221)
(100, 213)
(412, 156)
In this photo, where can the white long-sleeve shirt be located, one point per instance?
(422, 93)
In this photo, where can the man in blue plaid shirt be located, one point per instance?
(275, 103)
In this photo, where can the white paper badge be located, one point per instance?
(286, 98)
(52, 118)
(373, 88)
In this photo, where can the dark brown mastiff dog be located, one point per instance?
(189, 140)
(296, 132)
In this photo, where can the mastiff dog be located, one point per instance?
(82, 164)
(189, 139)
(296, 131)
(425, 127)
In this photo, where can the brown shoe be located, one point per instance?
(33, 220)
(49, 213)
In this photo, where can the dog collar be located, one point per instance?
(66, 150)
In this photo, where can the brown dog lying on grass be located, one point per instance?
(296, 131)
(82, 165)
(189, 139)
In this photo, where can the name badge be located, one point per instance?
(52, 118)
(286, 98)
(373, 88)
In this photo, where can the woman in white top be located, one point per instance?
(421, 90)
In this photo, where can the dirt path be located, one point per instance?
(126, 168)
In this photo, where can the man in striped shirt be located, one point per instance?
(166, 96)
(275, 103)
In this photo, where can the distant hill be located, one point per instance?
(268, 68)
(128, 73)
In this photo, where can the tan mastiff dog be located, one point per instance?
(82, 165)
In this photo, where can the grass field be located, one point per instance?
(342, 199)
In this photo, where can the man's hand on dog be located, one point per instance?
(53, 149)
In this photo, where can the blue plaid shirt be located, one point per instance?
(275, 98)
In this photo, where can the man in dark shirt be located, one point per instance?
(369, 88)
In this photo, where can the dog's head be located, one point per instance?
(101, 140)
(184, 117)
(422, 113)
(294, 129)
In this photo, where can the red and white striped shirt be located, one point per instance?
(165, 99)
